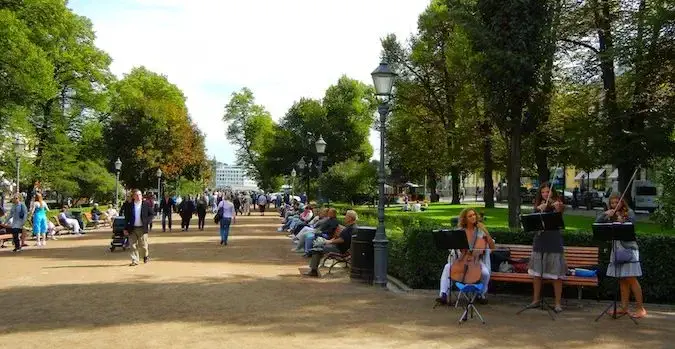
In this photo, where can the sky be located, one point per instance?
(282, 50)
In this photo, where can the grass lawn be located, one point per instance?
(497, 218)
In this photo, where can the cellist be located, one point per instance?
(468, 221)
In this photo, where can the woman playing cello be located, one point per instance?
(627, 272)
(553, 264)
(475, 230)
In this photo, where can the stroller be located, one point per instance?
(118, 238)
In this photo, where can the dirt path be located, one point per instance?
(74, 293)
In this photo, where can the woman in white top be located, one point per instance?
(226, 219)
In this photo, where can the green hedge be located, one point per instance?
(414, 259)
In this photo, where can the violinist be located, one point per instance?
(554, 264)
(468, 221)
(627, 272)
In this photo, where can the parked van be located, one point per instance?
(643, 192)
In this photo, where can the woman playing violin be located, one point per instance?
(627, 272)
(468, 221)
(553, 264)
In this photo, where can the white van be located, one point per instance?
(643, 192)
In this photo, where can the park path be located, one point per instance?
(196, 294)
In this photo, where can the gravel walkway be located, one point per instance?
(74, 293)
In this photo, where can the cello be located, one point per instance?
(467, 268)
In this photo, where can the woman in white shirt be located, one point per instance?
(226, 219)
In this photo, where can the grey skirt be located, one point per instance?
(554, 265)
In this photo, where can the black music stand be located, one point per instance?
(450, 239)
(614, 232)
(538, 224)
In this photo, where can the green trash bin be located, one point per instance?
(363, 255)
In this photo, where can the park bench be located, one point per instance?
(89, 220)
(58, 228)
(5, 238)
(576, 257)
(337, 258)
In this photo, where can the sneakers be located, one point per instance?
(146, 259)
(133, 264)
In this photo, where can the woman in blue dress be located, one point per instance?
(39, 213)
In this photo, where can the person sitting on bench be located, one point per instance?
(95, 213)
(340, 243)
(68, 222)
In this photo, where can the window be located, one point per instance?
(649, 191)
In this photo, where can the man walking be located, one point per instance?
(137, 216)
(167, 207)
(262, 203)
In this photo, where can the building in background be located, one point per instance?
(233, 177)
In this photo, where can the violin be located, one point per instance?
(467, 268)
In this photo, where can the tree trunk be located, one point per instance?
(541, 160)
(433, 182)
(488, 167)
(514, 175)
(454, 173)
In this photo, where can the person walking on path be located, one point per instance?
(201, 211)
(137, 218)
(227, 217)
(262, 203)
(17, 215)
(39, 213)
(166, 207)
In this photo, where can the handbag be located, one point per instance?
(218, 216)
(622, 254)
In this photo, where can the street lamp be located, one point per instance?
(159, 182)
(320, 145)
(293, 174)
(302, 165)
(118, 167)
(19, 147)
(383, 79)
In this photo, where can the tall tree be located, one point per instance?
(149, 128)
(509, 37)
(251, 129)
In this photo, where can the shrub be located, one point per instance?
(414, 259)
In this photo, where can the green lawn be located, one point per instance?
(497, 218)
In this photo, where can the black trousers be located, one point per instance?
(201, 216)
(16, 238)
(166, 215)
(185, 222)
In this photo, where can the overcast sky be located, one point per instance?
(281, 50)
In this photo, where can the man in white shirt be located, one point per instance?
(138, 216)
(71, 223)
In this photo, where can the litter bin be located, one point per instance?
(363, 255)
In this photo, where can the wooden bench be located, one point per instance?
(89, 219)
(337, 258)
(58, 228)
(576, 257)
(4, 238)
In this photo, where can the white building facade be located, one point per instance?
(233, 177)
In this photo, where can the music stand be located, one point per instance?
(614, 232)
(539, 224)
(450, 239)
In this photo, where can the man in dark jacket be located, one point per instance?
(137, 218)
(166, 206)
(186, 209)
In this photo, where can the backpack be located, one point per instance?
(219, 215)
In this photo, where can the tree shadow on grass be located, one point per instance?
(289, 304)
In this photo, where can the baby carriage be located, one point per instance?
(118, 238)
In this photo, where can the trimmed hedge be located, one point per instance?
(414, 258)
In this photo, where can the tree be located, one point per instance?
(509, 37)
(349, 181)
(251, 130)
(149, 128)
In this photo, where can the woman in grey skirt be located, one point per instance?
(553, 266)
(629, 269)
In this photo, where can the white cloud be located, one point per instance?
(282, 50)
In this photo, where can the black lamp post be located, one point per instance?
(320, 145)
(19, 147)
(118, 167)
(383, 79)
(293, 174)
(159, 183)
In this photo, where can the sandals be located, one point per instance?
(533, 305)
(558, 309)
(619, 312)
(639, 314)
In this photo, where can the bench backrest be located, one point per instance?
(575, 256)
